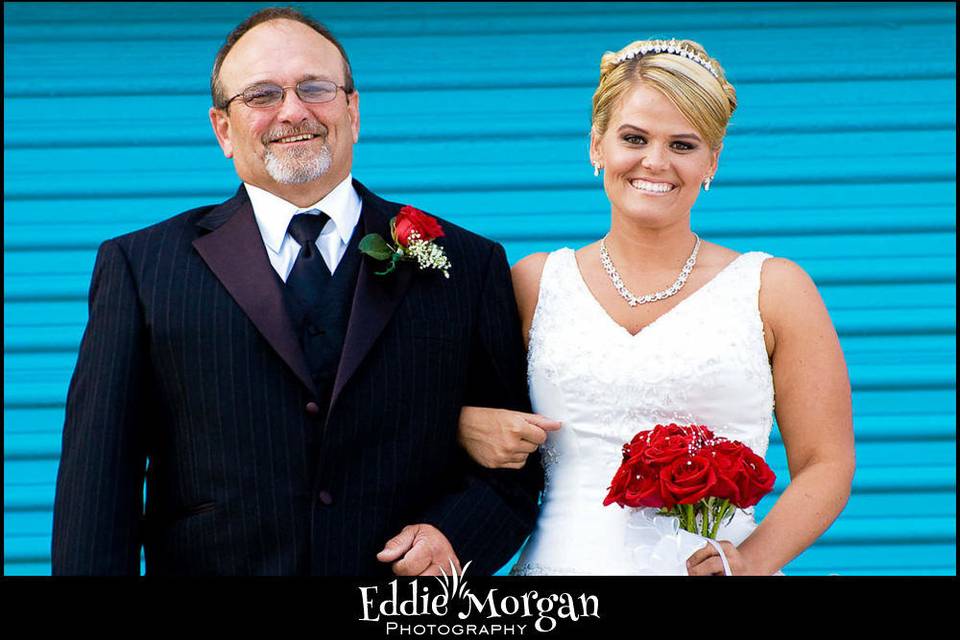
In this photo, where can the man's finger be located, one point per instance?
(532, 433)
(441, 569)
(526, 447)
(432, 570)
(416, 561)
(397, 545)
(544, 423)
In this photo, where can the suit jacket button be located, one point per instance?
(313, 408)
(325, 498)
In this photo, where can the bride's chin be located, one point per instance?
(648, 217)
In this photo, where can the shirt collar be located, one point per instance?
(273, 213)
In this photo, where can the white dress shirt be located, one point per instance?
(273, 215)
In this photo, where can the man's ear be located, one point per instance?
(353, 109)
(220, 122)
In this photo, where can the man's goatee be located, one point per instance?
(297, 167)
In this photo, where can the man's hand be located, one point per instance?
(422, 550)
(500, 438)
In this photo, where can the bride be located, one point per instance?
(653, 325)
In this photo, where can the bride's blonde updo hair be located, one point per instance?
(706, 101)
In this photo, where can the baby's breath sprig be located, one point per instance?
(428, 254)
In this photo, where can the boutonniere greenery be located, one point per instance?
(414, 234)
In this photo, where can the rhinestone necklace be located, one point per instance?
(633, 300)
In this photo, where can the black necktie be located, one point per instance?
(310, 273)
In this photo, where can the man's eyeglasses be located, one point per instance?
(261, 96)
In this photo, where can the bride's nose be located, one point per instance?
(655, 159)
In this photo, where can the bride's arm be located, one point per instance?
(498, 438)
(813, 408)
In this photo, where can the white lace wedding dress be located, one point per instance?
(702, 362)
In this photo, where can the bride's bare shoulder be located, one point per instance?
(526, 280)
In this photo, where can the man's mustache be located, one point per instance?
(277, 134)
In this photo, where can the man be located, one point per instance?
(294, 416)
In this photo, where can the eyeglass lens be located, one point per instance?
(268, 95)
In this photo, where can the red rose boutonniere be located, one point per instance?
(413, 233)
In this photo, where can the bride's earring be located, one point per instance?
(596, 168)
(706, 183)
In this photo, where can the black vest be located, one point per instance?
(322, 326)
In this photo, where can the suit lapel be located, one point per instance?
(235, 253)
(375, 297)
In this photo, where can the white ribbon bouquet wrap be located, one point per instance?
(660, 547)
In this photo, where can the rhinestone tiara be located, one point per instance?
(665, 46)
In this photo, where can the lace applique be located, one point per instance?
(549, 458)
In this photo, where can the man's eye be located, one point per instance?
(317, 89)
(261, 94)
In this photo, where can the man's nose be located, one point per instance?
(292, 108)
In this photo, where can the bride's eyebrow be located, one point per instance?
(631, 127)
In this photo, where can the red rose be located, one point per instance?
(687, 480)
(667, 443)
(634, 485)
(643, 490)
(410, 219)
(618, 486)
(640, 440)
(636, 447)
(727, 459)
(756, 480)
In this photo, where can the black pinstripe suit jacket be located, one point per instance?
(189, 376)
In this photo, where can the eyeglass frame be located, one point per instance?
(283, 94)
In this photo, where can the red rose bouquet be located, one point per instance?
(691, 474)
(413, 233)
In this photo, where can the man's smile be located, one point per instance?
(304, 137)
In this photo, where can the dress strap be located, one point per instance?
(743, 279)
(751, 264)
(550, 293)
(554, 277)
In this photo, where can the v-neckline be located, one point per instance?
(643, 329)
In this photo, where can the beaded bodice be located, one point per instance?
(702, 362)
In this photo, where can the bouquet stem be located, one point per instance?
(724, 509)
(710, 511)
